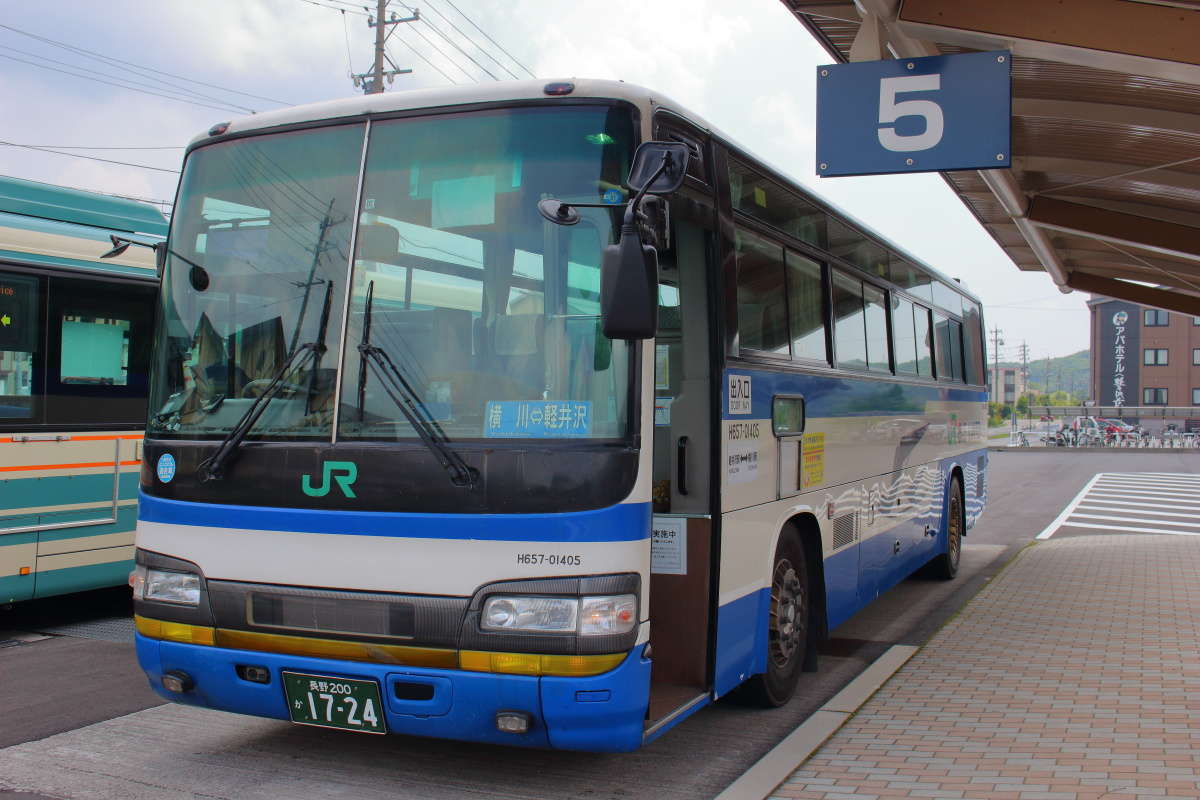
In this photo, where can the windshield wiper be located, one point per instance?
(213, 467)
(406, 398)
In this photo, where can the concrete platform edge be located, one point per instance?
(774, 768)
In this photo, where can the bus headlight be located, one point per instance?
(603, 616)
(588, 616)
(163, 586)
(544, 614)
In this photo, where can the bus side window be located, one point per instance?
(21, 300)
(761, 296)
(99, 340)
(806, 304)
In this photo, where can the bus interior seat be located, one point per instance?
(439, 339)
(380, 243)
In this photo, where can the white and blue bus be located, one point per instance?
(75, 342)
(429, 454)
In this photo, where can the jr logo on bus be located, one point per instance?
(343, 473)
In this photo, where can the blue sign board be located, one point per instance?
(914, 114)
(538, 419)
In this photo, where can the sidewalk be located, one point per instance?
(1075, 675)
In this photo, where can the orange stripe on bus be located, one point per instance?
(68, 466)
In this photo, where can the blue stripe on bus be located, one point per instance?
(57, 490)
(82, 579)
(15, 588)
(841, 396)
(625, 522)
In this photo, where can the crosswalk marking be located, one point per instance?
(1136, 502)
(1091, 507)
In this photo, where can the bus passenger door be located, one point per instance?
(682, 539)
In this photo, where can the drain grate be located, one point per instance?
(108, 629)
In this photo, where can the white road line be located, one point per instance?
(1147, 498)
(1141, 511)
(1128, 519)
(1155, 490)
(1180, 476)
(1154, 482)
(1061, 518)
(1135, 504)
(1122, 528)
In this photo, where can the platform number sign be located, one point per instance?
(914, 115)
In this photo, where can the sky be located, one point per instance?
(748, 68)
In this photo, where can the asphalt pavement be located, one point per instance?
(118, 741)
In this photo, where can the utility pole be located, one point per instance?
(996, 379)
(372, 82)
(1025, 376)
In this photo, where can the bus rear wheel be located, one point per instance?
(945, 566)
(788, 623)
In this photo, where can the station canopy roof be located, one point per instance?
(1104, 189)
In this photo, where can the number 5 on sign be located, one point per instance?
(890, 110)
(914, 114)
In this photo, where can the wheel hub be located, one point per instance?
(788, 614)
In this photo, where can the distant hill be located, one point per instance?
(1071, 373)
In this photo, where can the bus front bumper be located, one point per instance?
(603, 712)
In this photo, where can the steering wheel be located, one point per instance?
(255, 388)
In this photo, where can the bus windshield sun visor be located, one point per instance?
(213, 467)
(410, 403)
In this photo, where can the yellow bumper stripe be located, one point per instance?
(400, 655)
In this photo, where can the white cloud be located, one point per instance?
(748, 68)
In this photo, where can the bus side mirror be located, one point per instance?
(629, 268)
(629, 288)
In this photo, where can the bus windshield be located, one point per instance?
(468, 315)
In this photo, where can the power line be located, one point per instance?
(466, 36)
(99, 147)
(140, 67)
(443, 54)
(349, 59)
(353, 10)
(454, 44)
(421, 56)
(490, 39)
(89, 158)
(173, 87)
(122, 196)
(119, 85)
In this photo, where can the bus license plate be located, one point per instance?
(332, 702)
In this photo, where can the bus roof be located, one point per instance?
(507, 91)
(46, 201)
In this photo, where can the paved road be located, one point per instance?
(114, 739)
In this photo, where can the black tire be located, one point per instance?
(789, 627)
(945, 566)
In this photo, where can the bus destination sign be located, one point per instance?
(18, 312)
(914, 114)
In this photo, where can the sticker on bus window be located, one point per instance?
(662, 410)
(165, 468)
(537, 419)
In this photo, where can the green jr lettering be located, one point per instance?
(344, 473)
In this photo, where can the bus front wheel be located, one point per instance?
(788, 622)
